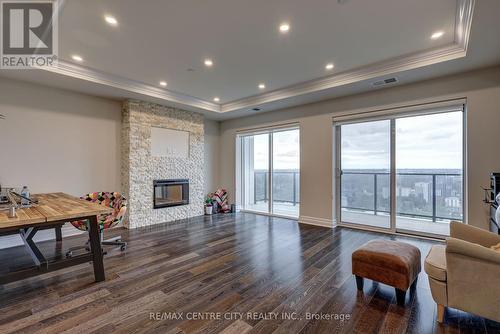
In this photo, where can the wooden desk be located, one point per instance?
(53, 210)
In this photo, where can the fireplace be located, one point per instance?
(168, 193)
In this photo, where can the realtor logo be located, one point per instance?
(29, 34)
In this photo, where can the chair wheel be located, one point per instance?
(69, 254)
(123, 247)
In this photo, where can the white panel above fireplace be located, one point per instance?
(169, 143)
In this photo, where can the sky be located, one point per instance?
(422, 142)
(286, 150)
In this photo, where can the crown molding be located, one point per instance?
(455, 50)
(395, 65)
(88, 74)
(463, 23)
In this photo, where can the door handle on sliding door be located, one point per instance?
(338, 172)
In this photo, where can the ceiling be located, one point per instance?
(157, 40)
(160, 40)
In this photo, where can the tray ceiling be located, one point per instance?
(154, 41)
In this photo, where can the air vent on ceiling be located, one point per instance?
(384, 82)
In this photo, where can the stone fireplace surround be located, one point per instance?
(139, 168)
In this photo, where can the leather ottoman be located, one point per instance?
(389, 262)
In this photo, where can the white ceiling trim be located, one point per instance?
(385, 68)
(465, 10)
(457, 49)
(88, 74)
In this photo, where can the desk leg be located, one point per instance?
(96, 248)
(27, 235)
(58, 231)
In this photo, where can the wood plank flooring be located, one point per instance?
(238, 273)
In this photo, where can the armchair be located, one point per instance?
(465, 273)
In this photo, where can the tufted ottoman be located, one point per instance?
(390, 262)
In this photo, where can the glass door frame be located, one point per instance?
(392, 115)
(338, 179)
(240, 183)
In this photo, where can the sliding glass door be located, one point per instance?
(286, 172)
(402, 172)
(365, 166)
(255, 172)
(429, 175)
(269, 169)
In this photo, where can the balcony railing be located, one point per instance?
(286, 186)
(434, 196)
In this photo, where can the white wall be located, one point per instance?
(55, 140)
(481, 88)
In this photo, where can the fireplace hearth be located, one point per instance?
(168, 193)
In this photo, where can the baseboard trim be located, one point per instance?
(316, 221)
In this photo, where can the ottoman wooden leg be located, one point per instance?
(400, 297)
(413, 287)
(359, 282)
(414, 284)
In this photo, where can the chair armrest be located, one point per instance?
(471, 250)
(473, 234)
(472, 273)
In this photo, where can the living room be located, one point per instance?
(250, 167)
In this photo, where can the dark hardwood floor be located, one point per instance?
(239, 267)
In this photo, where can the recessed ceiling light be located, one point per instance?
(216, 99)
(284, 27)
(437, 34)
(262, 86)
(329, 66)
(163, 83)
(208, 62)
(77, 58)
(110, 20)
